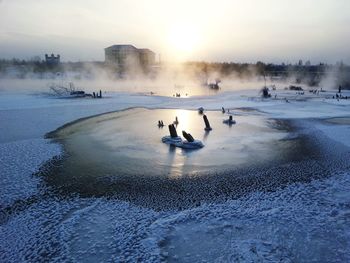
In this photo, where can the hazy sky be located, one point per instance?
(220, 30)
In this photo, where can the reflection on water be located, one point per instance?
(128, 143)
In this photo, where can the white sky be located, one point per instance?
(220, 30)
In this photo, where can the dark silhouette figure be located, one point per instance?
(215, 85)
(207, 124)
(176, 122)
(172, 131)
(188, 136)
(265, 92)
(160, 124)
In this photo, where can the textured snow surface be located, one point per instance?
(339, 133)
(299, 223)
(19, 160)
(76, 230)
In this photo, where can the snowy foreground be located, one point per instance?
(302, 222)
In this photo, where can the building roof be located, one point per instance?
(146, 50)
(121, 47)
(118, 47)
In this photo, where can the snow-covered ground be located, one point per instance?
(302, 222)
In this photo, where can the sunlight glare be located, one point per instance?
(183, 39)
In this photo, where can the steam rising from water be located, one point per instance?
(165, 80)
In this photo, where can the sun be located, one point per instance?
(183, 39)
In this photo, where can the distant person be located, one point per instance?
(339, 88)
(160, 124)
(230, 121)
(176, 122)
